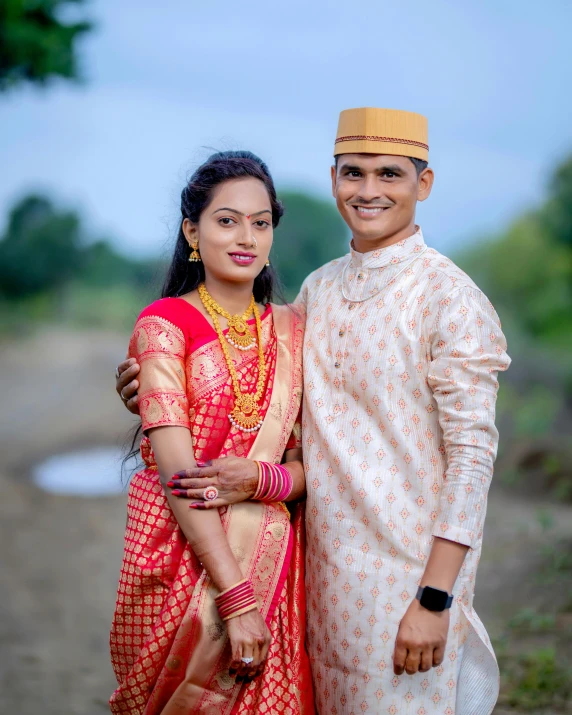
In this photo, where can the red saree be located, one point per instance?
(169, 648)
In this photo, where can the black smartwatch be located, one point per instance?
(434, 599)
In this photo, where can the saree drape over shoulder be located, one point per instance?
(169, 648)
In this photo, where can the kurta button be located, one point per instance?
(336, 364)
(360, 277)
(342, 333)
(351, 306)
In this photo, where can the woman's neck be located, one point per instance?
(233, 297)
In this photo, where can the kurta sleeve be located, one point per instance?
(468, 349)
(159, 347)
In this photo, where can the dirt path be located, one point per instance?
(60, 555)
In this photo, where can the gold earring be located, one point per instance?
(267, 262)
(195, 256)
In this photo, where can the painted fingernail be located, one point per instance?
(181, 475)
(170, 484)
(201, 464)
(176, 492)
(196, 505)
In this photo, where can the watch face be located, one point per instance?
(433, 599)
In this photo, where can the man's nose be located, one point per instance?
(370, 189)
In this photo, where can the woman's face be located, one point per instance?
(234, 232)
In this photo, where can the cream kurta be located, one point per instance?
(399, 440)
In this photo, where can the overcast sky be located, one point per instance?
(165, 80)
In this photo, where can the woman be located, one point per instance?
(210, 614)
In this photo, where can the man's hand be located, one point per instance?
(235, 478)
(421, 640)
(126, 385)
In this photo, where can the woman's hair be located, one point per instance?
(182, 276)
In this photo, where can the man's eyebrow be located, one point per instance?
(235, 211)
(349, 167)
(393, 168)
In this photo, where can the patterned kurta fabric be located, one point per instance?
(401, 357)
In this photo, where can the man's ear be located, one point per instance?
(334, 172)
(425, 183)
(190, 231)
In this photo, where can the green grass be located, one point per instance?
(536, 680)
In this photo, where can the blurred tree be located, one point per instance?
(311, 233)
(558, 210)
(526, 274)
(103, 267)
(41, 249)
(35, 45)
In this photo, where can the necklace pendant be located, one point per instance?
(239, 335)
(245, 415)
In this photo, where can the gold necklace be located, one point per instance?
(245, 415)
(238, 334)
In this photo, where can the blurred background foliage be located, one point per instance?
(36, 44)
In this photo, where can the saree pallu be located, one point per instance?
(169, 648)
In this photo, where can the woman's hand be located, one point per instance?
(235, 478)
(249, 638)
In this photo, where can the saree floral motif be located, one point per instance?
(169, 647)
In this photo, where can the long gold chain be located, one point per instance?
(246, 412)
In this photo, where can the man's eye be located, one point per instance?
(354, 174)
(389, 174)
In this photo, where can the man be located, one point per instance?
(401, 357)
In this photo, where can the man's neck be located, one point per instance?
(366, 246)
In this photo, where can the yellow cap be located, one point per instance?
(369, 130)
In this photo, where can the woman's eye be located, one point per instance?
(262, 224)
(225, 221)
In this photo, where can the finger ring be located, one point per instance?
(117, 372)
(248, 661)
(210, 493)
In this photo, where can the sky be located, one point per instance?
(167, 82)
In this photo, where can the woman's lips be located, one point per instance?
(242, 259)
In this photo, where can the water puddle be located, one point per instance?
(90, 472)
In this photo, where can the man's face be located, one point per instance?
(376, 195)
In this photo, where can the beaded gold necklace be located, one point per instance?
(238, 334)
(245, 415)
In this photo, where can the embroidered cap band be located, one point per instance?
(369, 130)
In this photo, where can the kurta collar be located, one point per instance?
(367, 274)
(391, 255)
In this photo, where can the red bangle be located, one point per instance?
(274, 482)
(236, 600)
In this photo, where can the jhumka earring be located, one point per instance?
(195, 256)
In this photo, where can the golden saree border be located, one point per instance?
(159, 347)
(259, 536)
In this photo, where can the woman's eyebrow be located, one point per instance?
(235, 211)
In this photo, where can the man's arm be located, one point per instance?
(468, 351)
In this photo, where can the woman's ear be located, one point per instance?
(190, 231)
